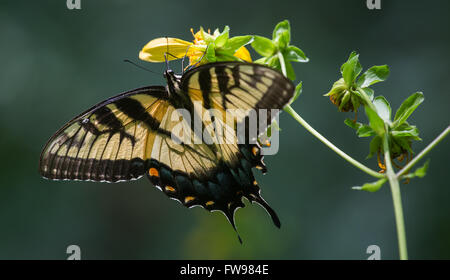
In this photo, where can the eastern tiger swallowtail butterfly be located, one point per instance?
(128, 136)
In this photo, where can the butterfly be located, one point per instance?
(130, 135)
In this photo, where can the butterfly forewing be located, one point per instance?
(109, 141)
(240, 87)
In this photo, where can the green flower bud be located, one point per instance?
(343, 97)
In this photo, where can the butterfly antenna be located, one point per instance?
(184, 57)
(168, 53)
(165, 54)
(139, 66)
(201, 58)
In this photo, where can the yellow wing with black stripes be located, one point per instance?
(240, 88)
(114, 141)
(130, 135)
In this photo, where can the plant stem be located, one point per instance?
(330, 145)
(396, 198)
(417, 158)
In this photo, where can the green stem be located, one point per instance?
(393, 182)
(423, 152)
(396, 198)
(330, 145)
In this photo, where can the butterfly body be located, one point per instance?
(130, 135)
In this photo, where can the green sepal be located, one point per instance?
(371, 187)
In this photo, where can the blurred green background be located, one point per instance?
(57, 62)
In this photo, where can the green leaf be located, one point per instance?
(338, 87)
(419, 172)
(365, 131)
(263, 46)
(407, 108)
(211, 53)
(222, 39)
(355, 101)
(372, 187)
(404, 144)
(397, 146)
(351, 69)
(351, 56)
(364, 95)
(408, 131)
(383, 108)
(374, 75)
(370, 93)
(422, 171)
(275, 125)
(225, 56)
(353, 124)
(298, 91)
(295, 54)
(375, 146)
(262, 60)
(207, 37)
(235, 43)
(376, 123)
(345, 99)
(290, 71)
(269, 131)
(274, 62)
(362, 130)
(282, 34)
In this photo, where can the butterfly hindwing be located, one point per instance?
(238, 88)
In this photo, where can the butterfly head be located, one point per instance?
(168, 73)
(173, 81)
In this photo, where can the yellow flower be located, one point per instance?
(174, 48)
(243, 54)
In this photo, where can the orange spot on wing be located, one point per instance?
(188, 199)
(153, 172)
(170, 189)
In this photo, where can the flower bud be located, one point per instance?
(343, 97)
